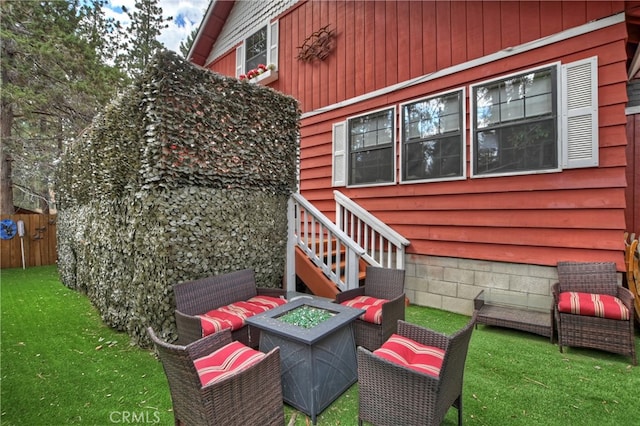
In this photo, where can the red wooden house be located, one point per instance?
(495, 136)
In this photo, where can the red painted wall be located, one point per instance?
(379, 44)
(538, 219)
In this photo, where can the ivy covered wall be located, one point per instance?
(185, 175)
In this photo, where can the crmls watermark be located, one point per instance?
(128, 417)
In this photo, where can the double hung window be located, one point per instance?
(432, 138)
(515, 124)
(371, 148)
(541, 120)
(259, 48)
(256, 49)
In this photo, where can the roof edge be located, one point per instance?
(209, 30)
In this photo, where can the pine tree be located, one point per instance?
(185, 45)
(54, 80)
(141, 41)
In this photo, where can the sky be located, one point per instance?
(187, 15)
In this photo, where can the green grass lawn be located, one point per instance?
(61, 365)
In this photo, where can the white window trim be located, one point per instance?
(472, 128)
(347, 149)
(268, 76)
(463, 130)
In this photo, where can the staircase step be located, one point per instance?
(319, 283)
(313, 277)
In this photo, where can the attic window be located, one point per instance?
(260, 48)
(256, 46)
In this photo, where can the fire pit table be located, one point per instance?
(317, 363)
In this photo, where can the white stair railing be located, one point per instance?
(323, 242)
(382, 245)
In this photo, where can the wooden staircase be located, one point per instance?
(314, 278)
(362, 239)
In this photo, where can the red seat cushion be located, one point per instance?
(225, 361)
(594, 305)
(372, 306)
(269, 302)
(411, 354)
(231, 316)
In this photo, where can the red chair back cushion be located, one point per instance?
(232, 316)
(372, 306)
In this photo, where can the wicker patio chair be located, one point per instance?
(583, 329)
(391, 393)
(379, 283)
(247, 396)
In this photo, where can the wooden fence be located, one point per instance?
(39, 242)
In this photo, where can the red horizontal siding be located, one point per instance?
(539, 219)
(485, 203)
(517, 254)
(550, 238)
(602, 178)
(574, 214)
(500, 218)
(611, 116)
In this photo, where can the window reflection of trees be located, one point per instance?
(371, 148)
(256, 49)
(432, 136)
(515, 124)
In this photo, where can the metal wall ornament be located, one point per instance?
(318, 46)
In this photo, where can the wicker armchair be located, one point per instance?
(393, 394)
(249, 396)
(381, 283)
(584, 330)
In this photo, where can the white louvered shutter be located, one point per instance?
(239, 60)
(580, 114)
(273, 44)
(339, 169)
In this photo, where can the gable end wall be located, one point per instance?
(245, 19)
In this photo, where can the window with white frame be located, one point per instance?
(260, 48)
(256, 49)
(541, 120)
(371, 148)
(433, 137)
(516, 123)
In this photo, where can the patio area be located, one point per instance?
(70, 368)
